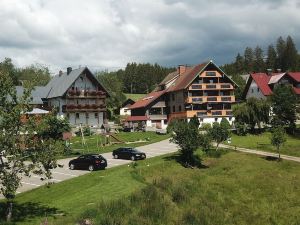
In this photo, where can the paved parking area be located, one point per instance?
(64, 173)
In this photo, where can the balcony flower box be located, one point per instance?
(71, 106)
(86, 92)
(77, 92)
(79, 106)
(94, 106)
(71, 92)
(87, 106)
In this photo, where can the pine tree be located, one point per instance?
(280, 48)
(290, 55)
(239, 64)
(249, 59)
(271, 58)
(259, 64)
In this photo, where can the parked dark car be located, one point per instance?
(89, 161)
(128, 153)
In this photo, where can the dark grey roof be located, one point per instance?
(59, 84)
(37, 94)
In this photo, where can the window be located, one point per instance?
(257, 89)
(230, 118)
(173, 108)
(173, 97)
(210, 73)
(252, 90)
(216, 119)
(96, 115)
(68, 115)
(179, 108)
(86, 115)
(201, 119)
(77, 115)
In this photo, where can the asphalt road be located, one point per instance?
(64, 173)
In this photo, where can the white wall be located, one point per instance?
(211, 120)
(125, 112)
(254, 91)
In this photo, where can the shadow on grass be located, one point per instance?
(177, 157)
(271, 158)
(25, 211)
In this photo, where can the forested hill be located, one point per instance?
(135, 78)
(283, 55)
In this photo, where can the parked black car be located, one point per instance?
(88, 161)
(128, 153)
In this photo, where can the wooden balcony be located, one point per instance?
(205, 99)
(85, 94)
(158, 117)
(211, 86)
(209, 113)
(84, 108)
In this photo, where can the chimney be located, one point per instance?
(181, 69)
(278, 70)
(60, 73)
(69, 70)
(269, 72)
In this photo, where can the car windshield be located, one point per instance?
(135, 150)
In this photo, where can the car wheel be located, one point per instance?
(116, 156)
(91, 168)
(72, 166)
(133, 158)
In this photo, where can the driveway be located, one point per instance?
(64, 173)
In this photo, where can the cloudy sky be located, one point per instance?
(106, 34)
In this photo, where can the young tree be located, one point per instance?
(278, 138)
(284, 104)
(219, 133)
(188, 138)
(194, 122)
(21, 146)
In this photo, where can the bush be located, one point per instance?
(241, 129)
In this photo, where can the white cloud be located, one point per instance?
(110, 33)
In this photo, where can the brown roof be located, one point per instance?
(169, 77)
(187, 77)
(149, 98)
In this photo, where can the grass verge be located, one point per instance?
(234, 189)
(262, 142)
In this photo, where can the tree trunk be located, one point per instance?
(9, 211)
(217, 146)
(278, 153)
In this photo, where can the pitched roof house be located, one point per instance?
(203, 90)
(260, 85)
(76, 94)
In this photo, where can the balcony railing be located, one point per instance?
(86, 93)
(208, 113)
(84, 108)
(204, 99)
(196, 86)
(214, 86)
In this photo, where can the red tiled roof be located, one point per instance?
(262, 80)
(294, 75)
(136, 118)
(147, 99)
(296, 90)
(186, 78)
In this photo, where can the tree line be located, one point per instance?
(37, 74)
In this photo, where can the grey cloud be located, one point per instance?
(108, 34)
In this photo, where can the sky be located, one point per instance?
(107, 34)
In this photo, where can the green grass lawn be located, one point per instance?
(141, 138)
(291, 147)
(134, 97)
(236, 188)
